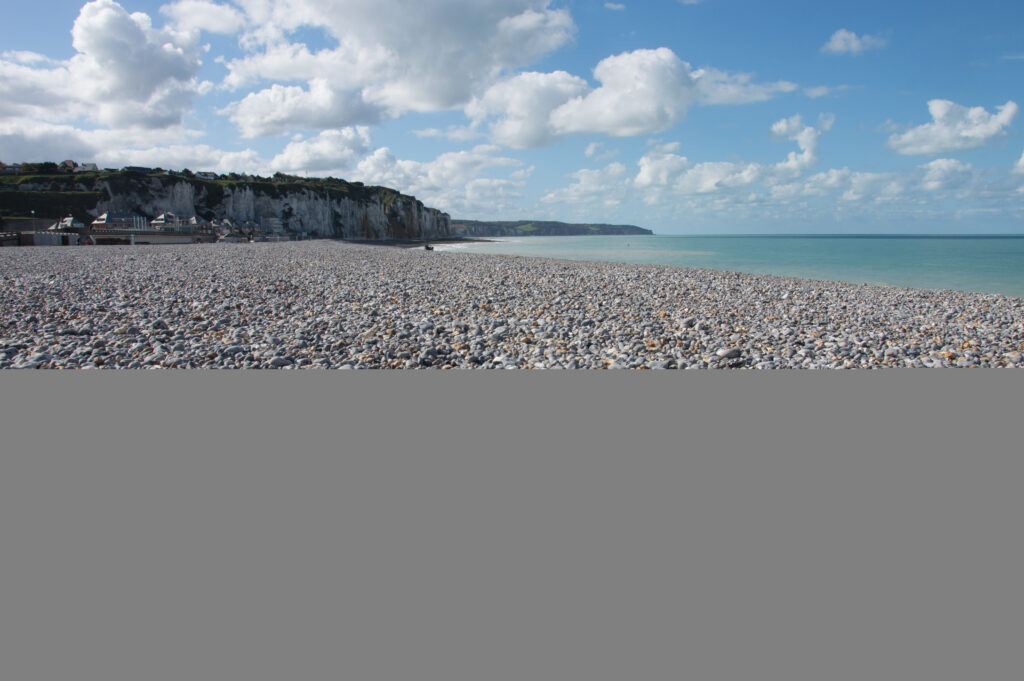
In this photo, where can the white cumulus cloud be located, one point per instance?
(131, 73)
(457, 133)
(204, 15)
(454, 181)
(848, 42)
(523, 106)
(663, 172)
(1018, 167)
(865, 186)
(596, 151)
(197, 157)
(715, 176)
(820, 184)
(641, 92)
(946, 174)
(660, 169)
(34, 140)
(954, 127)
(390, 57)
(331, 150)
(720, 87)
(818, 91)
(279, 108)
(124, 73)
(605, 186)
(661, 166)
(806, 138)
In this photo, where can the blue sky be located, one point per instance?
(709, 116)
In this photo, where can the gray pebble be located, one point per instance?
(329, 304)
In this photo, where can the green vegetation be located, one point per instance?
(55, 192)
(47, 167)
(388, 197)
(53, 205)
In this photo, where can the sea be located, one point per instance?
(981, 264)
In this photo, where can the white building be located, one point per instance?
(120, 221)
(169, 222)
(67, 223)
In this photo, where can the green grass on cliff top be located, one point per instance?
(56, 194)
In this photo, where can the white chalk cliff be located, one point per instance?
(333, 209)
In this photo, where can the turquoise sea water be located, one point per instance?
(984, 264)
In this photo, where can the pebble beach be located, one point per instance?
(335, 305)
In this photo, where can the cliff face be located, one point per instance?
(381, 215)
(326, 208)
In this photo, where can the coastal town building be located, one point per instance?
(48, 239)
(271, 226)
(171, 222)
(67, 224)
(120, 221)
(252, 229)
(221, 227)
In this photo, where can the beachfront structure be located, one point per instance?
(67, 224)
(47, 238)
(169, 222)
(270, 225)
(120, 221)
(221, 227)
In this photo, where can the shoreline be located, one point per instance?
(933, 268)
(332, 304)
(409, 243)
